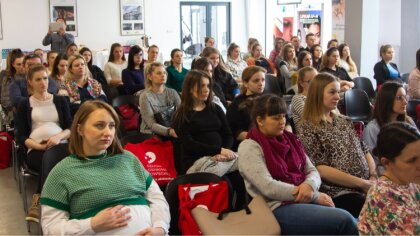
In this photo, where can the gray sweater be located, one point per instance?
(58, 42)
(152, 103)
(258, 180)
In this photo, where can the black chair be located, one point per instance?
(404, 77)
(171, 194)
(52, 157)
(365, 84)
(358, 106)
(274, 85)
(135, 138)
(412, 112)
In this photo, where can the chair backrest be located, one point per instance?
(412, 111)
(365, 84)
(125, 99)
(273, 85)
(358, 106)
(51, 157)
(404, 77)
(135, 138)
(171, 194)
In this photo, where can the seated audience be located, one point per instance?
(238, 114)
(40, 53)
(96, 72)
(176, 71)
(133, 75)
(152, 54)
(332, 43)
(310, 41)
(278, 45)
(386, 70)
(18, 89)
(204, 64)
(221, 74)
(274, 165)
(304, 59)
(200, 124)
(209, 41)
(72, 50)
(330, 64)
(342, 159)
(113, 70)
(258, 59)
(414, 80)
(51, 55)
(15, 70)
(390, 106)
(305, 76)
(295, 41)
(59, 69)
(157, 101)
(58, 40)
(234, 62)
(44, 121)
(100, 188)
(79, 85)
(316, 52)
(287, 64)
(392, 203)
(346, 61)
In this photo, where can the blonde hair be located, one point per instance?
(148, 71)
(313, 111)
(32, 70)
(69, 76)
(80, 118)
(248, 73)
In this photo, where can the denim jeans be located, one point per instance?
(304, 219)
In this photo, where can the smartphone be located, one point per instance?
(55, 26)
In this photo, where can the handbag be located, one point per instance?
(5, 149)
(164, 118)
(213, 196)
(256, 219)
(130, 117)
(157, 158)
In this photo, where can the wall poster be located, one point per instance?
(338, 19)
(66, 9)
(309, 22)
(132, 17)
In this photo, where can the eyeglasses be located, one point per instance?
(401, 98)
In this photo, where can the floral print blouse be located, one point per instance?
(391, 209)
(336, 145)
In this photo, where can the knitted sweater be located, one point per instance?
(84, 187)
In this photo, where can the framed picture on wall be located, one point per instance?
(132, 17)
(1, 26)
(66, 9)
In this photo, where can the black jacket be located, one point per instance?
(382, 73)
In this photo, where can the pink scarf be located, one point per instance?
(284, 156)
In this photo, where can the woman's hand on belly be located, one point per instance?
(110, 218)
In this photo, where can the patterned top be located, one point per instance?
(391, 209)
(297, 105)
(236, 67)
(83, 187)
(336, 145)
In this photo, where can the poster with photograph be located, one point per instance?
(67, 10)
(132, 17)
(1, 26)
(309, 22)
(338, 19)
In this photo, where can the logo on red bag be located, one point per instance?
(150, 157)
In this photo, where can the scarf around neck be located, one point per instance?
(284, 156)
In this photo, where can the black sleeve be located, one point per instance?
(64, 113)
(379, 73)
(22, 124)
(98, 74)
(225, 132)
(236, 119)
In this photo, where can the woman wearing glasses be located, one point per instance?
(133, 76)
(390, 106)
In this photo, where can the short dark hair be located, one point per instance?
(267, 105)
(30, 56)
(308, 35)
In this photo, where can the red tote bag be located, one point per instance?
(214, 196)
(157, 158)
(5, 149)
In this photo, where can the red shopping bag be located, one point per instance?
(5, 149)
(157, 158)
(214, 197)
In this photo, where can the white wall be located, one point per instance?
(390, 26)
(25, 23)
